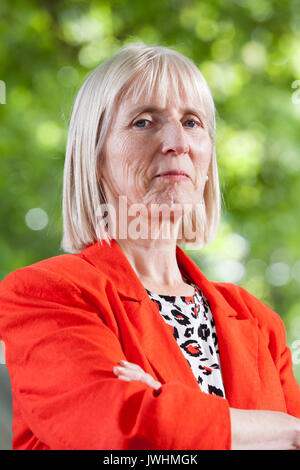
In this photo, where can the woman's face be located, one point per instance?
(155, 154)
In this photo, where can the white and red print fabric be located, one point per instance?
(195, 333)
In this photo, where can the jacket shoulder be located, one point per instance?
(66, 271)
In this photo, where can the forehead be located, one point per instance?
(159, 100)
(154, 103)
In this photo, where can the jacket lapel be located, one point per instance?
(237, 337)
(237, 340)
(158, 343)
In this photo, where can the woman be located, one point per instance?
(124, 344)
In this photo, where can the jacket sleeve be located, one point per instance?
(273, 328)
(60, 355)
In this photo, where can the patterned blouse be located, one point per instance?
(195, 333)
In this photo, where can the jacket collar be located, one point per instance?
(113, 262)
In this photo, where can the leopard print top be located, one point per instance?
(195, 332)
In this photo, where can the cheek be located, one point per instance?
(203, 154)
(126, 163)
(132, 162)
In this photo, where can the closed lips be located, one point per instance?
(175, 173)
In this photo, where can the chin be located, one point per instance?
(175, 196)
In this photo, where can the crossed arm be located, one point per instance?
(251, 429)
(129, 371)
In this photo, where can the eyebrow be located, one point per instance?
(155, 109)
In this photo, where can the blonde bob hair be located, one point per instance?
(133, 70)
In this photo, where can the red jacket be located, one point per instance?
(68, 320)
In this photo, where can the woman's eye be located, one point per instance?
(191, 123)
(142, 123)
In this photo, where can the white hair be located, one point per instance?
(133, 70)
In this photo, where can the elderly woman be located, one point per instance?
(123, 343)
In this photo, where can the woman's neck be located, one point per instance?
(155, 264)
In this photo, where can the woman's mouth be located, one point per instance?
(176, 175)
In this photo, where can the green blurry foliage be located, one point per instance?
(248, 51)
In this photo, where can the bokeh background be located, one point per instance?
(248, 51)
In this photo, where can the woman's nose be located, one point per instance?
(173, 140)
